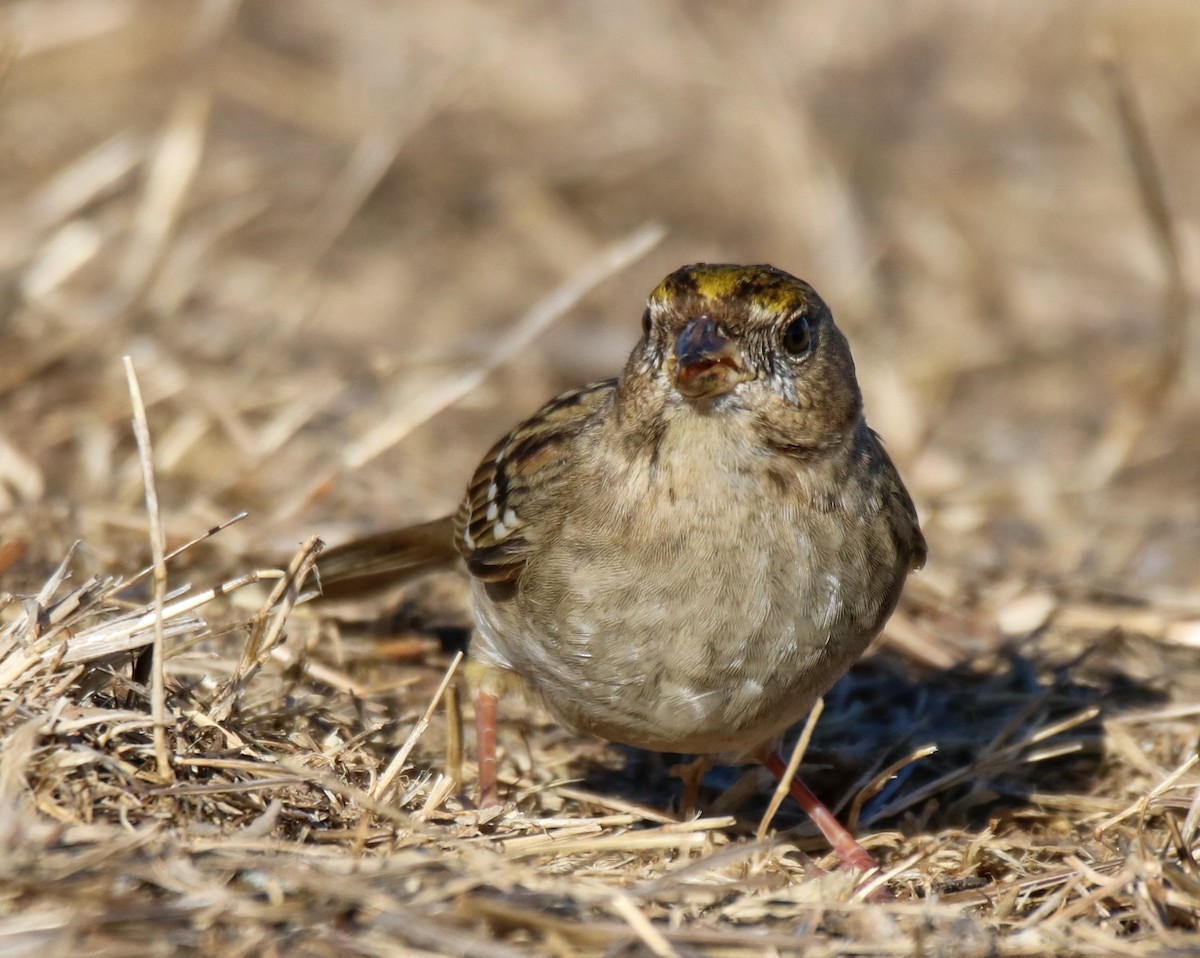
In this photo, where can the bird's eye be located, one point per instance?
(796, 336)
(646, 322)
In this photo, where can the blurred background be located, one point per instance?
(308, 222)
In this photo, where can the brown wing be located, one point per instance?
(517, 476)
(906, 529)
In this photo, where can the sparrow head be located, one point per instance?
(751, 343)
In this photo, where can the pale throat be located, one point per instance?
(699, 454)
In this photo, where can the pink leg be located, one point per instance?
(848, 850)
(692, 776)
(485, 745)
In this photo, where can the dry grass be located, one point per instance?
(346, 245)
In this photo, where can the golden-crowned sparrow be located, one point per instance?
(684, 558)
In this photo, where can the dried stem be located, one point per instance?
(158, 681)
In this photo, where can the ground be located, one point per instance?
(346, 246)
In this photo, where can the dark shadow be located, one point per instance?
(993, 723)
(1011, 722)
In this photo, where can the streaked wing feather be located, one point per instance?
(521, 469)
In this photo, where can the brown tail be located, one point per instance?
(374, 563)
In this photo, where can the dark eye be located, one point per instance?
(646, 322)
(796, 337)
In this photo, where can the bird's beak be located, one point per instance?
(707, 362)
